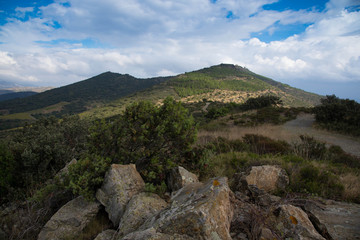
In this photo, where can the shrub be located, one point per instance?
(309, 148)
(154, 138)
(87, 175)
(263, 145)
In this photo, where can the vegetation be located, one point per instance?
(35, 153)
(337, 114)
(154, 138)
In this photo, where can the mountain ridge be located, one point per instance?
(108, 92)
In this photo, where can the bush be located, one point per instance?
(262, 145)
(87, 175)
(310, 148)
(154, 138)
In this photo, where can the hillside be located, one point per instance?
(108, 93)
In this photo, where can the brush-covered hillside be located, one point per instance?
(108, 93)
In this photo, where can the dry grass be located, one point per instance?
(351, 182)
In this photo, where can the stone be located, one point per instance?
(200, 210)
(293, 222)
(179, 177)
(268, 178)
(335, 220)
(151, 234)
(106, 235)
(121, 182)
(70, 220)
(141, 207)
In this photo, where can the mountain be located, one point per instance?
(79, 96)
(108, 93)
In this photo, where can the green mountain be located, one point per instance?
(108, 93)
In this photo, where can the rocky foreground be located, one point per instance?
(209, 210)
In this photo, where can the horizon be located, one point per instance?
(311, 45)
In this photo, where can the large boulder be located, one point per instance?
(120, 184)
(202, 211)
(268, 178)
(140, 208)
(179, 177)
(335, 220)
(293, 222)
(70, 221)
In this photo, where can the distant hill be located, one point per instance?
(108, 93)
(13, 95)
(79, 96)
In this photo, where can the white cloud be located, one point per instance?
(162, 37)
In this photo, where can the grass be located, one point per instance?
(28, 115)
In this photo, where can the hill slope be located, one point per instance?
(108, 93)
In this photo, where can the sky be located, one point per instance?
(309, 44)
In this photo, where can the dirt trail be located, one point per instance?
(304, 125)
(290, 132)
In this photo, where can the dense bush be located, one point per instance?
(339, 114)
(36, 152)
(154, 138)
(261, 102)
(262, 145)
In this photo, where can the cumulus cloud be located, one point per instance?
(162, 37)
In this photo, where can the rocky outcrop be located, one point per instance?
(120, 184)
(205, 210)
(268, 178)
(179, 177)
(335, 220)
(202, 211)
(70, 220)
(293, 222)
(140, 208)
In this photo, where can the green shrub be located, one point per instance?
(310, 179)
(87, 175)
(154, 138)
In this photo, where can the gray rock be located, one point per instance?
(108, 234)
(151, 234)
(140, 208)
(70, 220)
(202, 211)
(335, 220)
(293, 223)
(179, 177)
(120, 184)
(268, 178)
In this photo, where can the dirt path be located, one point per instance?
(304, 125)
(290, 132)
(205, 107)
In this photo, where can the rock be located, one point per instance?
(120, 184)
(335, 220)
(179, 177)
(140, 208)
(268, 178)
(151, 234)
(202, 211)
(65, 171)
(292, 222)
(70, 220)
(106, 235)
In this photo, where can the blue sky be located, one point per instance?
(312, 45)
